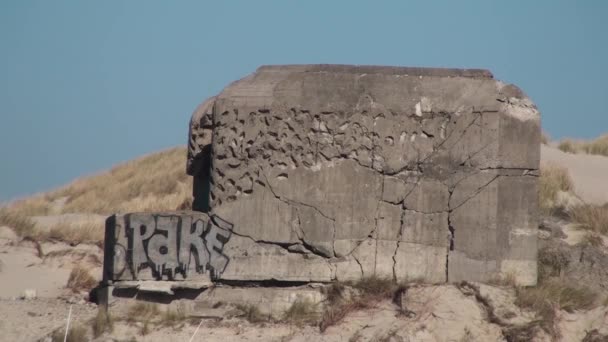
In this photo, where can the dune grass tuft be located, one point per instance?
(302, 311)
(552, 292)
(369, 292)
(89, 231)
(553, 179)
(544, 138)
(154, 182)
(567, 146)
(102, 322)
(553, 295)
(251, 313)
(77, 333)
(591, 217)
(144, 313)
(21, 224)
(598, 146)
(80, 279)
(175, 316)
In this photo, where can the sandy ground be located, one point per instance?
(589, 172)
(29, 320)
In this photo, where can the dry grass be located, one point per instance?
(591, 217)
(597, 146)
(553, 179)
(152, 183)
(81, 231)
(80, 279)
(567, 146)
(77, 333)
(144, 313)
(593, 240)
(551, 263)
(173, 317)
(302, 311)
(370, 291)
(21, 224)
(553, 295)
(251, 313)
(544, 138)
(102, 322)
(89, 231)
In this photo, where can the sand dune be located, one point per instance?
(589, 172)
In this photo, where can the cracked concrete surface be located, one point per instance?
(341, 172)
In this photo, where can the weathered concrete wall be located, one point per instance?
(338, 172)
(332, 172)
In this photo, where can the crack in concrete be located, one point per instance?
(464, 131)
(376, 222)
(451, 232)
(287, 200)
(308, 245)
(471, 156)
(360, 266)
(284, 245)
(399, 236)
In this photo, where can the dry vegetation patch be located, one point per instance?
(76, 333)
(552, 180)
(552, 295)
(368, 293)
(597, 146)
(154, 182)
(102, 323)
(251, 313)
(302, 311)
(553, 292)
(80, 279)
(21, 224)
(90, 231)
(591, 217)
(544, 138)
(143, 313)
(174, 317)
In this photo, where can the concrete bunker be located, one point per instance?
(321, 173)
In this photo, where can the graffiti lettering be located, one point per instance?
(168, 245)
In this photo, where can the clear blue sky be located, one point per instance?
(87, 84)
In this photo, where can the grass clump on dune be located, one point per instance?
(567, 146)
(22, 225)
(544, 138)
(553, 179)
(89, 231)
(552, 295)
(76, 333)
(302, 311)
(553, 292)
(154, 182)
(369, 292)
(102, 322)
(591, 217)
(597, 146)
(80, 279)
